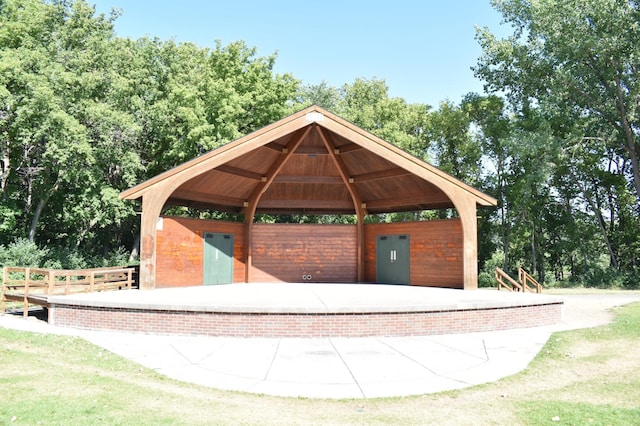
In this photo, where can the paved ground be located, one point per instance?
(342, 367)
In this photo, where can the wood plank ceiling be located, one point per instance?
(310, 171)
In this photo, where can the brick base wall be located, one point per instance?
(304, 325)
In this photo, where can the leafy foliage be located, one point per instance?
(85, 114)
(569, 180)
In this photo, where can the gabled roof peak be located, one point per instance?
(329, 167)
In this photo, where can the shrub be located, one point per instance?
(598, 277)
(23, 252)
(631, 280)
(486, 277)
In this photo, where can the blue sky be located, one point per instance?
(423, 49)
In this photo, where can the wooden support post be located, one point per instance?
(248, 240)
(360, 237)
(466, 207)
(51, 281)
(5, 277)
(25, 300)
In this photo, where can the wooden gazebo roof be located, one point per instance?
(312, 162)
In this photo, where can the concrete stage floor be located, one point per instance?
(307, 298)
(304, 310)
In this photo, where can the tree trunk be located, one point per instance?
(603, 229)
(5, 166)
(36, 218)
(630, 137)
(534, 255)
(542, 272)
(39, 208)
(135, 248)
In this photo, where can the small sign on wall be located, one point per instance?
(160, 224)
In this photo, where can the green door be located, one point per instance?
(392, 254)
(218, 259)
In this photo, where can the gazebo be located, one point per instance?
(312, 162)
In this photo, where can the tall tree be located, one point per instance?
(581, 56)
(454, 148)
(367, 104)
(84, 115)
(52, 62)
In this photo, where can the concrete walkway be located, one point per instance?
(342, 367)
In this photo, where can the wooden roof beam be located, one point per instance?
(250, 207)
(311, 150)
(324, 205)
(276, 147)
(380, 175)
(203, 197)
(342, 169)
(235, 171)
(347, 148)
(359, 207)
(330, 180)
(273, 172)
(439, 202)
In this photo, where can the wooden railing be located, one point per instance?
(35, 285)
(505, 281)
(525, 279)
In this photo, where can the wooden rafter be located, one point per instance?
(409, 201)
(308, 179)
(272, 174)
(360, 208)
(350, 147)
(208, 198)
(276, 147)
(259, 190)
(342, 169)
(311, 150)
(239, 172)
(395, 172)
(306, 204)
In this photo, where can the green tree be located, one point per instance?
(454, 148)
(323, 95)
(84, 115)
(580, 56)
(51, 56)
(367, 104)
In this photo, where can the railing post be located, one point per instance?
(25, 299)
(51, 281)
(5, 275)
(92, 278)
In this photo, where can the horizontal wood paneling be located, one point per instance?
(180, 250)
(435, 246)
(286, 252)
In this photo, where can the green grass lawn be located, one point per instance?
(580, 377)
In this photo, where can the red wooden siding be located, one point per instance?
(180, 250)
(287, 252)
(435, 247)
